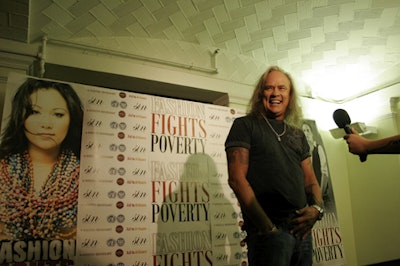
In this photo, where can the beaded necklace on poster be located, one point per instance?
(47, 214)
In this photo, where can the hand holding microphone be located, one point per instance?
(342, 120)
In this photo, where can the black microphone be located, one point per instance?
(342, 120)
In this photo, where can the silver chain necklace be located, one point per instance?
(278, 136)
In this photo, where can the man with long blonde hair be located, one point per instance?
(271, 173)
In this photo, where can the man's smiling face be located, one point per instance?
(276, 94)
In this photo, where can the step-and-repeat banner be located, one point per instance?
(147, 187)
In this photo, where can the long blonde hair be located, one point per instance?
(293, 114)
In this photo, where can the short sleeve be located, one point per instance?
(239, 134)
(305, 147)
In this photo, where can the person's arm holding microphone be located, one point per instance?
(360, 145)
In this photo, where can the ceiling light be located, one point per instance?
(338, 83)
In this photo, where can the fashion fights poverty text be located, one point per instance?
(180, 192)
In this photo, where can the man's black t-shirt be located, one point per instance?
(274, 172)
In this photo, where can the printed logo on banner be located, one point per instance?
(116, 133)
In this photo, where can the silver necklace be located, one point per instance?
(278, 136)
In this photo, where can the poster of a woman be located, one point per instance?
(39, 162)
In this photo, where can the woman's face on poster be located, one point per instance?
(308, 132)
(47, 124)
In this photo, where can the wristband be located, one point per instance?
(320, 211)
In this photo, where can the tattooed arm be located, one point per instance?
(238, 163)
(308, 216)
(313, 190)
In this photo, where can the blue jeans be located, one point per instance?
(282, 249)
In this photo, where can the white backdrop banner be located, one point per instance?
(152, 189)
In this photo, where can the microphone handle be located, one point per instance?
(347, 129)
(363, 157)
